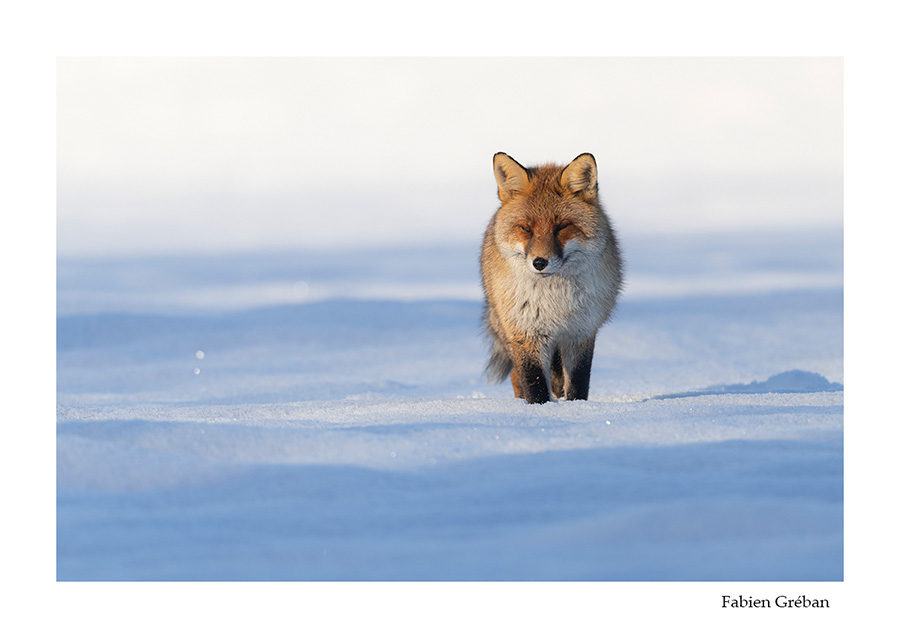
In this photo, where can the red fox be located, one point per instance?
(551, 273)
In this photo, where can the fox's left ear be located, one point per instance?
(580, 176)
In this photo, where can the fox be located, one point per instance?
(551, 273)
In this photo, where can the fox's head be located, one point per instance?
(549, 214)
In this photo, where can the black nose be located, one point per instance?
(539, 263)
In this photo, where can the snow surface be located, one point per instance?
(322, 415)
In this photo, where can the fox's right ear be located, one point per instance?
(511, 176)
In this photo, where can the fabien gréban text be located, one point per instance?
(783, 602)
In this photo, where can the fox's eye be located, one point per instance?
(561, 226)
(525, 228)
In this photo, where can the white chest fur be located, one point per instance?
(569, 305)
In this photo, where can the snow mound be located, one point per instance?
(785, 382)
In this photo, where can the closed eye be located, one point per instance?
(561, 226)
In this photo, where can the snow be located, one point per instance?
(322, 415)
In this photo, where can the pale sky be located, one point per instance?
(218, 154)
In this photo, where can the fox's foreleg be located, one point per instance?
(528, 378)
(576, 368)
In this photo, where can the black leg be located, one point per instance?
(534, 383)
(578, 372)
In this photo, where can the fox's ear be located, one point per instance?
(510, 175)
(580, 176)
